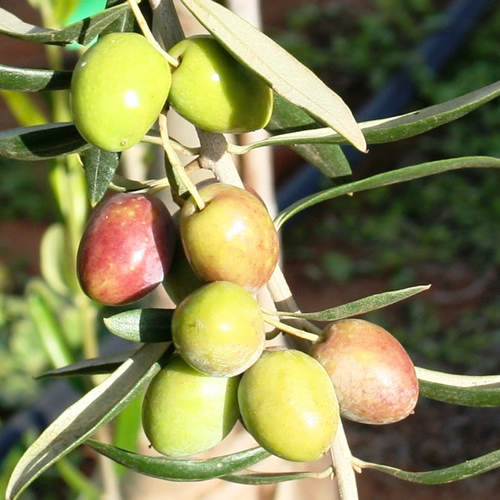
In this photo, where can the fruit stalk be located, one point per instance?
(296, 332)
(176, 164)
(148, 35)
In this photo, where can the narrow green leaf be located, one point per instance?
(260, 478)
(172, 469)
(472, 396)
(124, 23)
(142, 325)
(100, 167)
(287, 76)
(457, 380)
(93, 366)
(126, 430)
(462, 390)
(33, 80)
(81, 419)
(52, 258)
(49, 329)
(41, 142)
(380, 131)
(385, 179)
(360, 306)
(328, 158)
(458, 472)
(24, 109)
(83, 31)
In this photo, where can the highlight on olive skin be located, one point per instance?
(126, 248)
(118, 89)
(216, 92)
(373, 375)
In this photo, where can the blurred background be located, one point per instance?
(441, 230)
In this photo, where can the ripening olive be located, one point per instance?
(231, 239)
(118, 89)
(126, 248)
(219, 329)
(216, 92)
(186, 412)
(373, 375)
(288, 404)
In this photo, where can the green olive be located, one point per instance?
(186, 412)
(118, 89)
(219, 329)
(288, 404)
(216, 92)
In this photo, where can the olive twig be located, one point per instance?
(178, 146)
(148, 35)
(238, 149)
(357, 464)
(176, 164)
(183, 149)
(344, 465)
(124, 185)
(291, 330)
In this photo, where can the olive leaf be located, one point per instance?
(53, 257)
(83, 31)
(100, 167)
(142, 325)
(33, 80)
(380, 131)
(459, 389)
(92, 366)
(127, 429)
(125, 23)
(81, 419)
(358, 307)
(49, 327)
(172, 469)
(329, 159)
(385, 179)
(458, 472)
(260, 478)
(24, 108)
(287, 76)
(41, 142)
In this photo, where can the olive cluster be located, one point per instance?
(287, 400)
(121, 84)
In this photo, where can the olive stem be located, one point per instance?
(148, 35)
(238, 149)
(343, 465)
(296, 332)
(177, 165)
(178, 147)
(123, 185)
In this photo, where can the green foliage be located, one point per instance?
(21, 354)
(386, 32)
(20, 177)
(396, 230)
